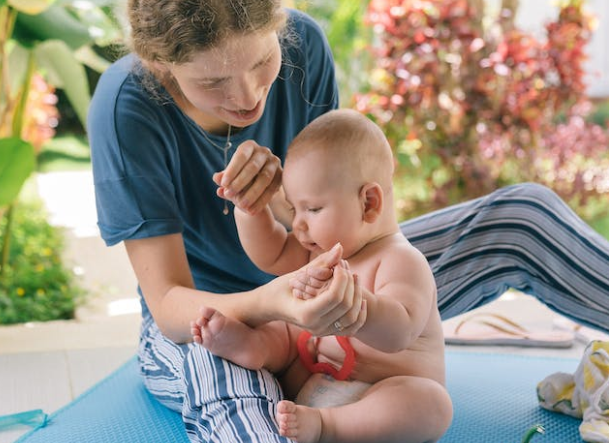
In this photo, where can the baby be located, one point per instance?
(337, 181)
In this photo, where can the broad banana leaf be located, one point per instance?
(64, 71)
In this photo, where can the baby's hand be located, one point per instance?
(311, 281)
(195, 330)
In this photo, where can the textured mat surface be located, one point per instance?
(493, 394)
(495, 401)
(118, 409)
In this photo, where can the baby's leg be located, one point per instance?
(398, 409)
(266, 346)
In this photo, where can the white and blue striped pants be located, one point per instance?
(520, 236)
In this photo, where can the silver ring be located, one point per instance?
(338, 326)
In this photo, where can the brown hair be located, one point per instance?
(171, 31)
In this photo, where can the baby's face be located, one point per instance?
(327, 208)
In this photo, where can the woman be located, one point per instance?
(211, 85)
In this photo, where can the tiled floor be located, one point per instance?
(46, 365)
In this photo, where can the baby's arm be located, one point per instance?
(268, 243)
(402, 302)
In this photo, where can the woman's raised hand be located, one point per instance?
(251, 178)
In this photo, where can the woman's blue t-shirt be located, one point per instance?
(153, 166)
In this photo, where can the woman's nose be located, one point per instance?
(245, 94)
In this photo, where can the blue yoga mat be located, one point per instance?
(493, 394)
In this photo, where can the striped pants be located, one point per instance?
(522, 236)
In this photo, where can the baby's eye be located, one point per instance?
(314, 210)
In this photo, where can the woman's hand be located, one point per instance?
(251, 178)
(338, 306)
(345, 308)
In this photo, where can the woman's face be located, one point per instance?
(231, 82)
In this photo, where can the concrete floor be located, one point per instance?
(46, 365)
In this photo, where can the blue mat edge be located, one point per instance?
(98, 385)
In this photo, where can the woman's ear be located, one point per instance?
(159, 67)
(371, 196)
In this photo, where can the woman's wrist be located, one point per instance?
(269, 302)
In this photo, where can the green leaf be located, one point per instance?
(64, 71)
(30, 6)
(87, 56)
(100, 22)
(56, 23)
(531, 432)
(17, 162)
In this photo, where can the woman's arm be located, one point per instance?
(163, 273)
(164, 276)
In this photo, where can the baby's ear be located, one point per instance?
(371, 196)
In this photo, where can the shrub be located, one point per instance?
(470, 106)
(36, 286)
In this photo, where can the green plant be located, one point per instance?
(532, 432)
(36, 284)
(343, 24)
(600, 114)
(41, 42)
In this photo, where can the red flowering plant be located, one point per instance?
(470, 106)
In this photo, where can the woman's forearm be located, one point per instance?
(261, 305)
(162, 270)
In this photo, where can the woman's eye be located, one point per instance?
(266, 61)
(211, 85)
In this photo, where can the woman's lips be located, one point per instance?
(245, 115)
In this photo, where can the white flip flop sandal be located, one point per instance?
(489, 329)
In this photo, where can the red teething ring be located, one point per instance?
(322, 367)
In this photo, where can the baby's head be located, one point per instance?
(338, 178)
(349, 141)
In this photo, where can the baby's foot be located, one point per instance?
(300, 423)
(223, 336)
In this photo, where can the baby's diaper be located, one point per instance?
(323, 391)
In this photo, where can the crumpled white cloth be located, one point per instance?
(583, 394)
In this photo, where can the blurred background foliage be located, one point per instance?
(468, 101)
(47, 50)
(472, 103)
